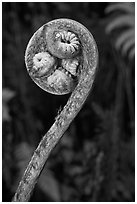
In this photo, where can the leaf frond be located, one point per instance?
(126, 35)
(120, 22)
(128, 45)
(132, 53)
(125, 39)
(125, 7)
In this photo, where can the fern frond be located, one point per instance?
(127, 46)
(120, 22)
(132, 53)
(125, 7)
(126, 35)
(125, 40)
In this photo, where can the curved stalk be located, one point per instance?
(63, 120)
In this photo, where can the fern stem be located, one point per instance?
(62, 121)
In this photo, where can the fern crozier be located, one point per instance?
(72, 71)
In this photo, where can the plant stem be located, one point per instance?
(69, 112)
(52, 137)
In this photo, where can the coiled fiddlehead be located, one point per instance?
(61, 57)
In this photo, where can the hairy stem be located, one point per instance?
(62, 121)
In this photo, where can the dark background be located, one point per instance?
(94, 161)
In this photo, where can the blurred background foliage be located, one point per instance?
(95, 159)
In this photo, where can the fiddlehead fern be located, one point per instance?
(61, 57)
